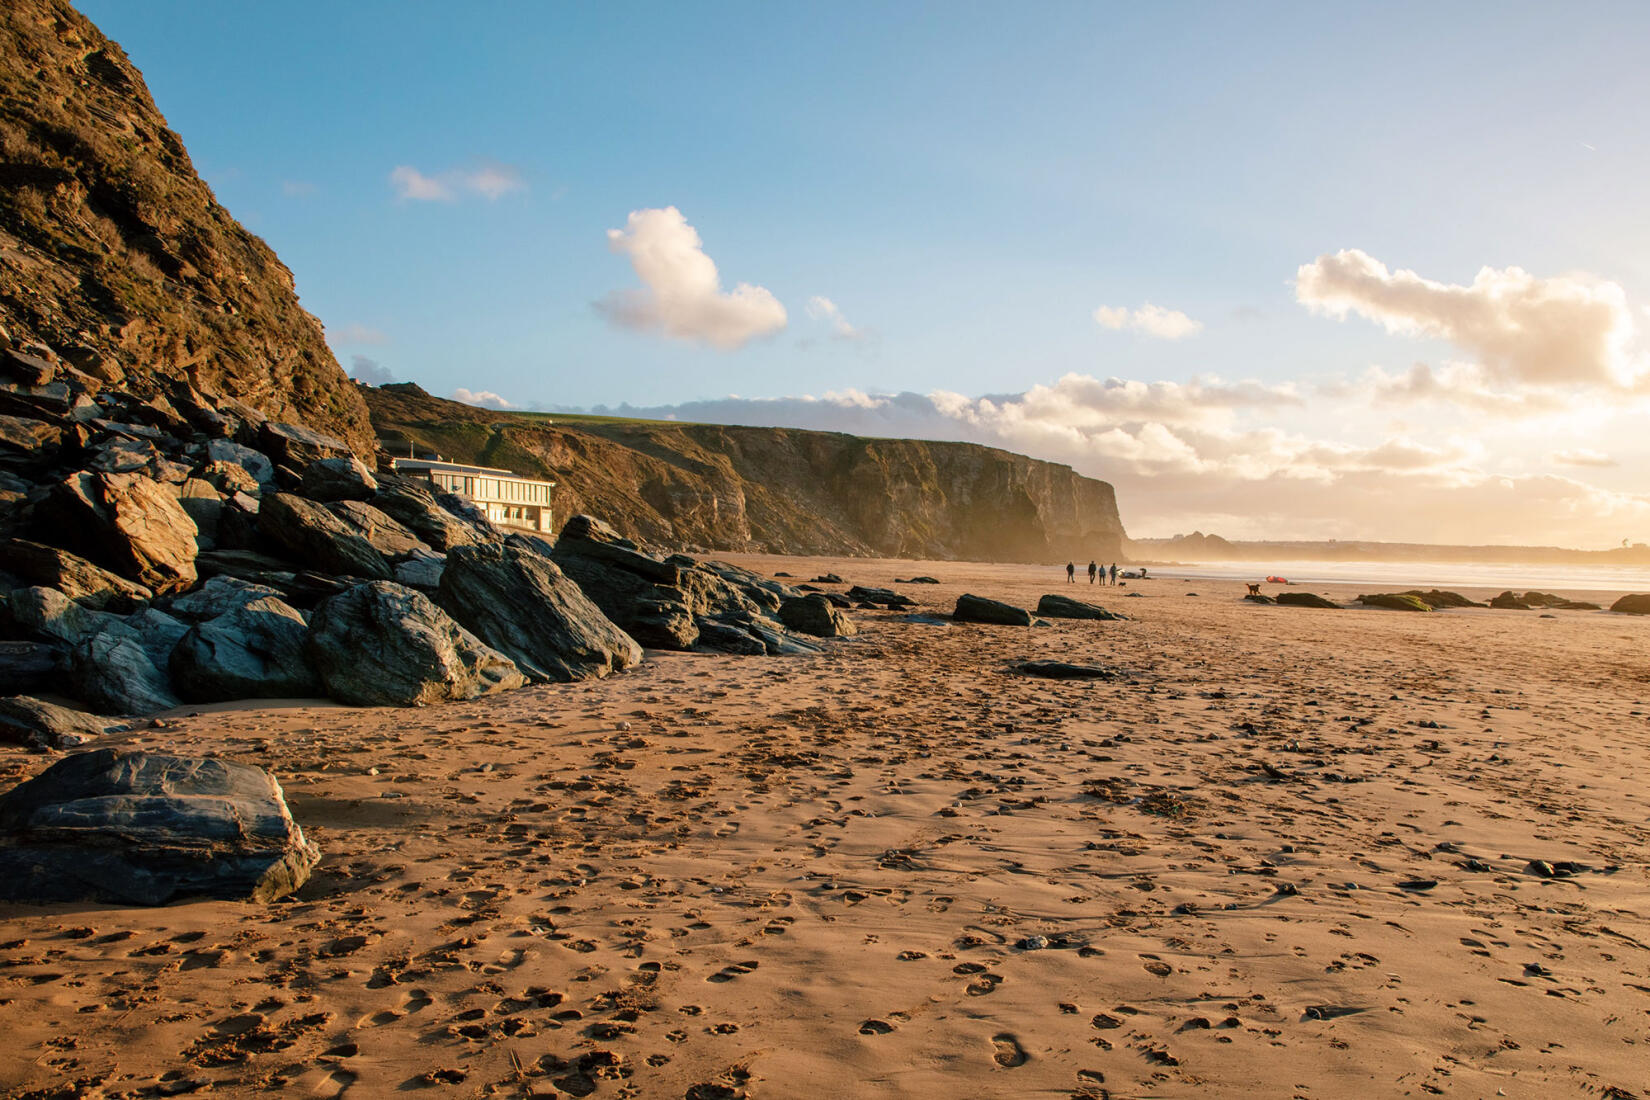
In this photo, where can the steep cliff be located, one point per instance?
(776, 489)
(116, 256)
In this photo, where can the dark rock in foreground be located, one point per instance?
(1394, 601)
(1060, 670)
(1436, 598)
(519, 602)
(816, 615)
(253, 651)
(1637, 604)
(1256, 597)
(136, 828)
(1064, 607)
(1304, 599)
(978, 609)
(380, 644)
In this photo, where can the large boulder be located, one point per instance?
(1394, 601)
(1636, 604)
(131, 524)
(253, 651)
(36, 723)
(218, 596)
(882, 597)
(316, 537)
(87, 584)
(48, 613)
(394, 541)
(816, 615)
(1436, 598)
(516, 600)
(1305, 599)
(1064, 607)
(113, 670)
(978, 609)
(330, 479)
(296, 447)
(31, 666)
(426, 513)
(380, 644)
(142, 828)
(1509, 601)
(589, 537)
(247, 463)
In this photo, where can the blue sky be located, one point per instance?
(967, 185)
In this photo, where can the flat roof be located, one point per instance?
(461, 468)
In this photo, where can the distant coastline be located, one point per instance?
(1196, 548)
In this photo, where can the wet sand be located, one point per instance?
(1287, 853)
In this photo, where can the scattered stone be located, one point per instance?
(1064, 607)
(816, 615)
(978, 609)
(1060, 670)
(141, 828)
(918, 580)
(249, 463)
(1394, 601)
(829, 578)
(296, 446)
(380, 644)
(882, 597)
(1304, 599)
(1256, 597)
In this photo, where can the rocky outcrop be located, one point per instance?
(1064, 607)
(1437, 598)
(380, 644)
(253, 651)
(1635, 604)
(1394, 601)
(978, 609)
(85, 583)
(518, 601)
(814, 614)
(138, 828)
(117, 259)
(778, 489)
(317, 538)
(1305, 599)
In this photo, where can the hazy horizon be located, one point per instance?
(1274, 273)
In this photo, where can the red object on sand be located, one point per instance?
(1277, 580)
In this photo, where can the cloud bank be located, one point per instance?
(369, 371)
(485, 399)
(682, 296)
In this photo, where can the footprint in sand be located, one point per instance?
(733, 970)
(1009, 1053)
(875, 1027)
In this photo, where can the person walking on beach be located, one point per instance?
(1092, 570)
(1113, 572)
(1071, 572)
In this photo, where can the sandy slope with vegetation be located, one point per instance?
(1289, 852)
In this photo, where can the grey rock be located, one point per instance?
(25, 441)
(296, 446)
(978, 609)
(1064, 607)
(589, 537)
(381, 644)
(1636, 604)
(82, 581)
(48, 613)
(1305, 599)
(142, 828)
(882, 597)
(388, 537)
(776, 640)
(159, 633)
(218, 596)
(112, 670)
(36, 723)
(253, 651)
(330, 479)
(316, 537)
(814, 614)
(1060, 670)
(518, 601)
(716, 637)
(421, 570)
(251, 462)
(31, 666)
(416, 506)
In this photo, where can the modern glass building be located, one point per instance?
(507, 498)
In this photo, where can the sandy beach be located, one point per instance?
(1287, 852)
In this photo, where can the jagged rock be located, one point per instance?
(1064, 607)
(314, 536)
(299, 587)
(718, 637)
(1436, 598)
(1394, 601)
(112, 670)
(1635, 604)
(382, 644)
(882, 597)
(331, 479)
(251, 463)
(26, 370)
(838, 600)
(1256, 597)
(218, 596)
(130, 524)
(590, 538)
(829, 578)
(1305, 599)
(159, 633)
(421, 570)
(1060, 670)
(1560, 603)
(1509, 601)
(26, 442)
(518, 601)
(389, 538)
(255, 650)
(418, 507)
(48, 613)
(918, 580)
(82, 581)
(978, 609)
(204, 504)
(776, 640)
(137, 456)
(36, 723)
(764, 592)
(296, 446)
(142, 828)
(814, 614)
(30, 666)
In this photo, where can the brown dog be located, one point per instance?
(1254, 590)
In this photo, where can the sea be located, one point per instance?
(1389, 575)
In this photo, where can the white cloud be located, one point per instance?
(485, 399)
(682, 295)
(821, 308)
(369, 371)
(1582, 456)
(356, 333)
(490, 180)
(1462, 384)
(1151, 320)
(1522, 330)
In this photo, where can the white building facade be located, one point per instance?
(508, 499)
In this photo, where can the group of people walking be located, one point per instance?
(1094, 571)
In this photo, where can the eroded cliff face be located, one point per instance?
(116, 256)
(779, 490)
